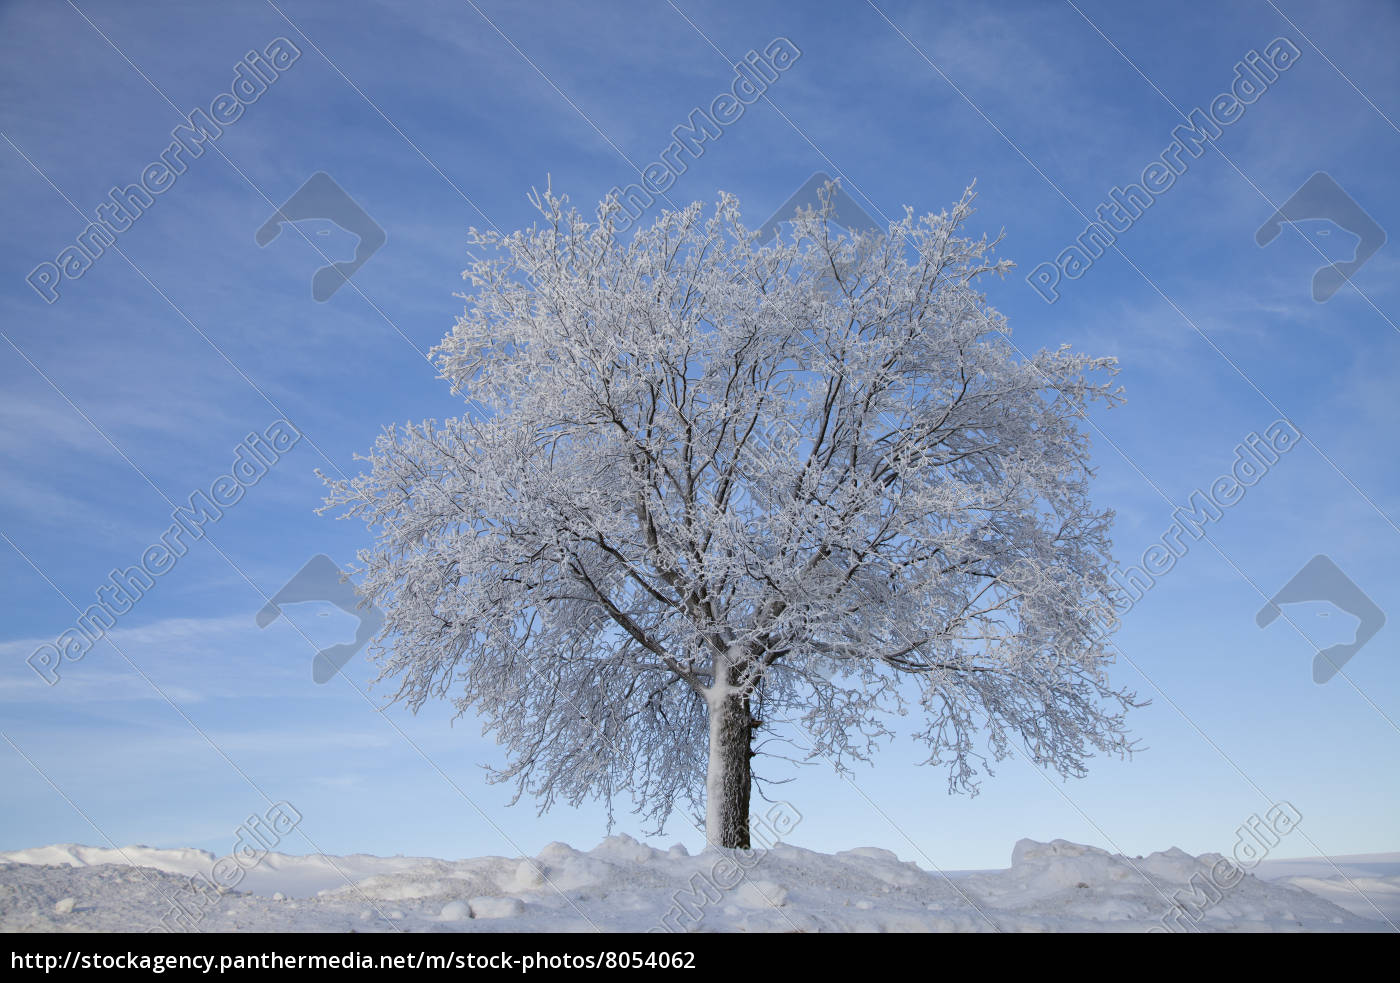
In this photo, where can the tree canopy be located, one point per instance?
(706, 485)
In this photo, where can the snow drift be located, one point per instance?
(623, 885)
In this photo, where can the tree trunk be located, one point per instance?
(728, 779)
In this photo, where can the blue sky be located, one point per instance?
(135, 387)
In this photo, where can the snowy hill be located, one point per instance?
(1362, 883)
(622, 885)
(275, 873)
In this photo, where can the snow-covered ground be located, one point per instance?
(1361, 883)
(622, 885)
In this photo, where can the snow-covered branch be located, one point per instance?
(696, 469)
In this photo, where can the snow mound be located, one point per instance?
(496, 907)
(273, 873)
(760, 894)
(182, 861)
(1369, 897)
(455, 911)
(624, 885)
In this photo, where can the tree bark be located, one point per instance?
(729, 778)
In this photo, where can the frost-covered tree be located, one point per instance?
(706, 485)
